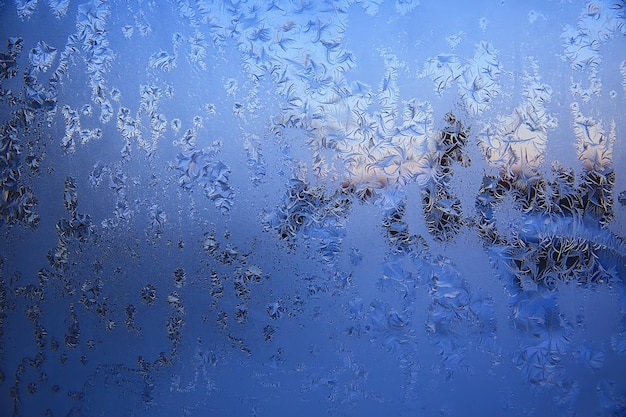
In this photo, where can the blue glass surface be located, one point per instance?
(340, 208)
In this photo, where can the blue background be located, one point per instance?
(344, 208)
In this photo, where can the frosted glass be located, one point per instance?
(341, 208)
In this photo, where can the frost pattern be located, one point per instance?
(289, 206)
(477, 80)
(597, 24)
(200, 167)
(42, 56)
(517, 142)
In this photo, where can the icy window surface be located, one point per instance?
(309, 208)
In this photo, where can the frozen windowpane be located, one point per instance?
(345, 208)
